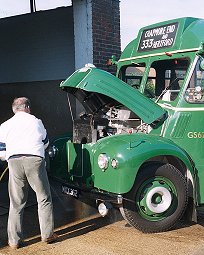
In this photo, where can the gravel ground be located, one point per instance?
(82, 231)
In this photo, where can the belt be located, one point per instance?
(23, 155)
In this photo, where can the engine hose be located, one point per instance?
(1, 177)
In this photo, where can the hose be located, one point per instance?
(1, 177)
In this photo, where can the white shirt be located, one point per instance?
(23, 134)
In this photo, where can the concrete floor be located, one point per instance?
(81, 230)
(67, 210)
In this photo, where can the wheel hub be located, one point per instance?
(158, 199)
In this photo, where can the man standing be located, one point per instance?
(24, 139)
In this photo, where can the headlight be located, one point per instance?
(52, 151)
(103, 161)
(114, 163)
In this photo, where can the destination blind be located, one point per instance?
(158, 37)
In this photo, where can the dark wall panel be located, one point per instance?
(48, 101)
(37, 46)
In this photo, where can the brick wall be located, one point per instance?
(106, 32)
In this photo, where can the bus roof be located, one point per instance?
(177, 35)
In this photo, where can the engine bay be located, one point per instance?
(91, 127)
(102, 116)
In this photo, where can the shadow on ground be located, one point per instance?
(81, 217)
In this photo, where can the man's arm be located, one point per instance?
(45, 139)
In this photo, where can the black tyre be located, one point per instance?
(157, 200)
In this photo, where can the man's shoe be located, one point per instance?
(20, 244)
(50, 239)
(14, 246)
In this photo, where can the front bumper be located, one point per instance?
(91, 194)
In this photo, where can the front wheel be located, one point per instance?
(157, 200)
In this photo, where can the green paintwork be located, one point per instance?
(96, 80)
(179, 134)
(131, 151)
(58, 164)
(189, 36)
(79, 164)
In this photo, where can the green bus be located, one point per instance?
(138, 144)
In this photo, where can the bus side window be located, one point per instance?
(134, 74)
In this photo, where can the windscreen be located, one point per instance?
(165, 79)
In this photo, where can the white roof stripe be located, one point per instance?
(158, 54)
